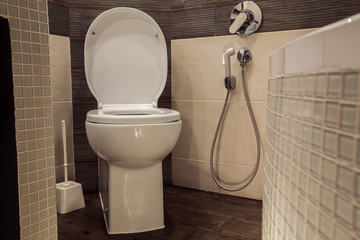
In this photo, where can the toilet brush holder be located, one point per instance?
(69, 197)
(69, 194)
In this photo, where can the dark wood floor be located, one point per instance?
(189, 214)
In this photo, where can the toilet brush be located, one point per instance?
(63, 131)
(69, 194)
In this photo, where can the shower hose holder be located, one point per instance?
(230, 82)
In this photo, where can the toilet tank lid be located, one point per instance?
(125, 58)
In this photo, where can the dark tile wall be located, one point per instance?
(58, 17)
(205, 18)
(178, 19)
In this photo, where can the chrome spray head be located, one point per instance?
(244, 56)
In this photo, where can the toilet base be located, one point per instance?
(131, 198)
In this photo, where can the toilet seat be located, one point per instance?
(125, 59)
(147, 116)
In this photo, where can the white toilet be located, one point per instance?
(126, 70)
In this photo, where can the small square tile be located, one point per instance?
(308, 110)
(287, 85)
(350, 87)
(310, 84)
(3, 10)
(33, 15)
(12, 11)
(15, 46)
(299, 109)
(294, 85)
(318, 112)
(334, 82)
(315, 165)
(348, 117)
(302, 183)
(296, 155)
(300, 231)
(320, 85)
(291, 126)
(332, 111)
(327, 199)
(301, 207)
(345, 179)
(286, 106)
(316, 138)
(14, 23)
(357, 187)
(23, 13)
(342, 234)
(294, 178)
(301, 85)
(278, 104)
(330, 143)
(33, 4)
(358, 153)
(328, 171)
(304, 159)
(310, 235)
(306, 134)
(346, 148)
(298, 130)
(34, 26)
(343, 210)
(326, 227)
(314, 190)
(312, 216)
(293, 104)
(357, 220)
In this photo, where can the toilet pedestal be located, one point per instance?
(131, 198)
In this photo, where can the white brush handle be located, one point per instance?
(63, 128)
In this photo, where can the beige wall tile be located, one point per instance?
(302, 32)
(198, 93)
(60, 68)
(196, 174)
(199, 123)
(236, 143)
(198, 73)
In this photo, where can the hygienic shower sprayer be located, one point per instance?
(229, 79)
(244, 56)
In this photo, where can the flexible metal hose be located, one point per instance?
(252, 176)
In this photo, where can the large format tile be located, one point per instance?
(60, 68)
(236, 142)
(196, 174)
(198, 72)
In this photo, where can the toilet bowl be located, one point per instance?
(126, 70)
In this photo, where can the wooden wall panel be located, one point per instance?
(191, 18)
(58, 17)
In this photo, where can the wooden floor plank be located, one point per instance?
(189, 214)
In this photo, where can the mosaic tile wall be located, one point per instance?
(312, 165)
(28, 21)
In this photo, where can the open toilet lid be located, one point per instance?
(125, 58)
